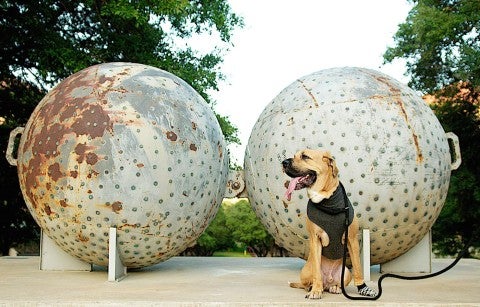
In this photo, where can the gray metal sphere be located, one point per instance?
(392, 153)
(128, 146)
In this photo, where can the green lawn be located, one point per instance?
(230, 254)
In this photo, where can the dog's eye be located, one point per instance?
(304, 157)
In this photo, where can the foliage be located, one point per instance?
(457, 108)
(235, 225)
(49, 40)
(16, 224)
(247, 229)
(228, 129)
(216, 237)
(440, 41)
(43, 42)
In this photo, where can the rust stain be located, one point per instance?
(220, 151)
(126, 225)
(171, 136)
(117, 207)
(63, 203)
(61, 116)
(47, 209)
(54, 172)
(315, 102)
(82, 238)
(396, 93)
(46, 142)
(193, 147)
(80, 150)
(104, 79)
(290, 121)
(92, 174)
(140, 165)
(91, 158)
(417, 146)
(194, 126)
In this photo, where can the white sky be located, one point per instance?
(286, 39)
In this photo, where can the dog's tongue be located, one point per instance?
(291, 187)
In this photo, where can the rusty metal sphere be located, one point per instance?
(391, 151)
(128, 146)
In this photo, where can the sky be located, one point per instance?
(283, 40)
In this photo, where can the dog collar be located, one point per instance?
(335, 204)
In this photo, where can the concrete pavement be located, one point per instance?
(216, 281)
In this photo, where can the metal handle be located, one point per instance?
(457, 157)
(11, 145)
(235, 185)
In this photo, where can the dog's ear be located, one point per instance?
(331, 163)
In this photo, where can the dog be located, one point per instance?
(316, 171)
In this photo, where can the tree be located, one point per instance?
(247, 229)
(216, 237)
(457, 108)
(43, 42)
(440, 40)
(16, 223)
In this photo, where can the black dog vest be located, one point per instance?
(329, 214)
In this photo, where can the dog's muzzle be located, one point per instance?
(287, 164)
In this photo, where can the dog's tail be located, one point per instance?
(298, 285)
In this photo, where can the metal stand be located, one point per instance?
(416, 260)
(365, 254)
(116, 270)
(53, 258)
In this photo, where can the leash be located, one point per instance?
(383, 276)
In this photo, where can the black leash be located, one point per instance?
(383, 276)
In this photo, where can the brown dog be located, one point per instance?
(317, 172)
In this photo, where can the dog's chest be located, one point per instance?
(330, 216)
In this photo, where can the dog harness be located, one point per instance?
(327, 215)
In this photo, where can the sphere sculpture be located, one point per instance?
(128, 146)
(391, 151)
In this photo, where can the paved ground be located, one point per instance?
(191, 281)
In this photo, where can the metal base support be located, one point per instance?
(416, 260)
(116, 270)
(365, 254)
(53, 258)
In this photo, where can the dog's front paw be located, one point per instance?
(335, 289)
(324, 239)
(314, 294)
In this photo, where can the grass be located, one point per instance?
(230, 254)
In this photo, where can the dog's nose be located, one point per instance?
(287, 162)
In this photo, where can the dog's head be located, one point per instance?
(314, 170)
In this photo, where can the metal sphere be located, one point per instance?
(391, 151)
(128, 146)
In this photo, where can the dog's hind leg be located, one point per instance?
(297, 285)
(354, 251)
